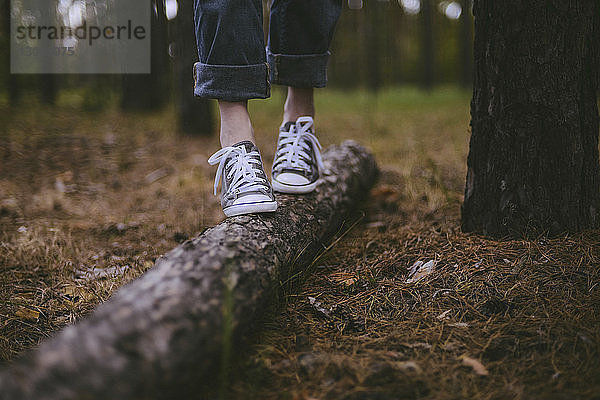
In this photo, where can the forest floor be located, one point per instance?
(88, 201)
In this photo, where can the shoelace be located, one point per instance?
(243, 171)
(296, 144)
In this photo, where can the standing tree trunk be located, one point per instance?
(466, 45)
(533, 161)
(11, 79)
(146, 92)
(48, 82)
(193, 114)
(427, 45)
(48, 89)
(372, 42)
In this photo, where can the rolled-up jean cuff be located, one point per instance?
(232, 82)
(306, 70)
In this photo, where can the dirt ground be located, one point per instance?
(403, 305)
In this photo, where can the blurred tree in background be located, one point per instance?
(194, 114)
(48, 82)
(384, 43)
(10, 86)
(146, 92)
(378, 43)
(427, 45)
(466, 44)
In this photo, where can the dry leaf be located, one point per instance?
(384, 191)
(70, 295)
(393, 354)
(345, 278)
(418, 345)
(459, 325)
(319, 307)
(70, 290)
(375, 224)
(99, 273)
(350, 281)
(409, 366)
(444, 315)
(477, 366)
(26, 313)
(451, 346)
(420, 270)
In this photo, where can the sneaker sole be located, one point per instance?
(254, 208)
(293, 189)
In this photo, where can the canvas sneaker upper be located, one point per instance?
(298, 159)
(245, 187)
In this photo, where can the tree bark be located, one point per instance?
(533, 162)
(162, 335)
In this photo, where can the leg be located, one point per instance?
(235, 123)
(300, 35)
(233, 69)
(299, 102)
(232, 66)
(229, 35)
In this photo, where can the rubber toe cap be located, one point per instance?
(289, 178)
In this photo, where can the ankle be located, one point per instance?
(299, 103)
(293, 114)
(236, 125)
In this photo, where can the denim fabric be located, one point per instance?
(234, 64)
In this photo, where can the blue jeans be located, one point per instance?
(234, 65)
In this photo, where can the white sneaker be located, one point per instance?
(298, 161)
(245, 188)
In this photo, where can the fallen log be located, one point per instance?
(162, 334)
